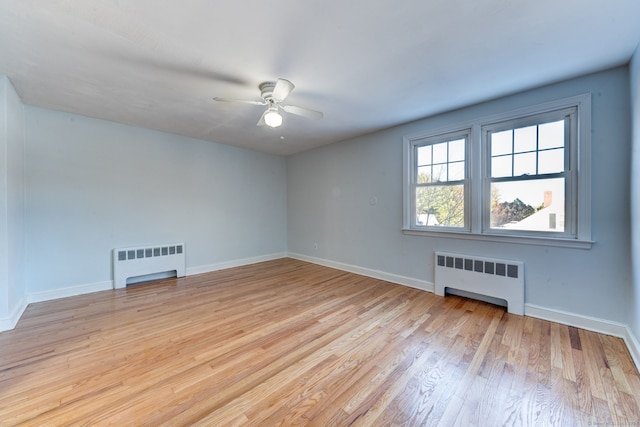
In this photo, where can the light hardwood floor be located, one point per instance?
(290, 343)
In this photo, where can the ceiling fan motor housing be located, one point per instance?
(273, 93)
(266, 91)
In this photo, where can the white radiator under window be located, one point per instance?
(146, 260)
(497, 278)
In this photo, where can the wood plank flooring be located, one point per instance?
(286, 343)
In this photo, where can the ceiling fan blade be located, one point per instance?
(242, 101)
(261, 122)
(282, 89)
(304, 112)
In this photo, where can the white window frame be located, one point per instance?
(577, 193)
(431, 140)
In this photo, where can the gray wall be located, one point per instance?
(12, 250)
(330, 190)
(634, 300)
(94, 185)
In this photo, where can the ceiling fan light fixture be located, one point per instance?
(273, 118)
(273, 93)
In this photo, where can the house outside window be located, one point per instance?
(440, 181)
(521, 176)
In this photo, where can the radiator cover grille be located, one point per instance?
(492, 277)
(144, 260)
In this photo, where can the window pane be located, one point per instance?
(424, 155)
(424, 174)
(456, 171)
(440, 173)
(440, 152)
(440, 205)
(501, 166)
(501, 143)
(524, 164)
(532, 205)
(524, 139)
(551, 161)
(456, 150)
(551, 135)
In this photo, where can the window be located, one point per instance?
(522, 176)
(528, 171)
(440, 181)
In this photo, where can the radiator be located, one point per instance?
(485, 276)
(145, 260)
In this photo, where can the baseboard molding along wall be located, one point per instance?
(234, 263)
(10, 322)
(532, 310)
(376, 274)
(69, 291)
(589, 323)
(571, 319)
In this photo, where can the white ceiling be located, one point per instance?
(367, 64)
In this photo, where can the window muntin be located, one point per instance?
(564, 168)
(439, 181)
(531, 150)
(528, 171)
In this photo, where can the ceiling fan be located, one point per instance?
(273, 94)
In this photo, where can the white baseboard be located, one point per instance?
(108, 285)
(589, 323)
(532, 310)
(634, 346)
(234, 263)
(10, 322)
(69, 291)
(579, 321)
(376, 274)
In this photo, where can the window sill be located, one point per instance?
(520, 240)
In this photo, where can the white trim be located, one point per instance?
(234, 263)
(502, 238)
(583, 102)
(447, 137)
(634, 346)
(10, 322)
(407, 165)
(580, 321)
(70, 291)
(589, 323)
(476, 162)
(422, 285)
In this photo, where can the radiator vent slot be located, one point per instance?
(146, 260)
(485, 276)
